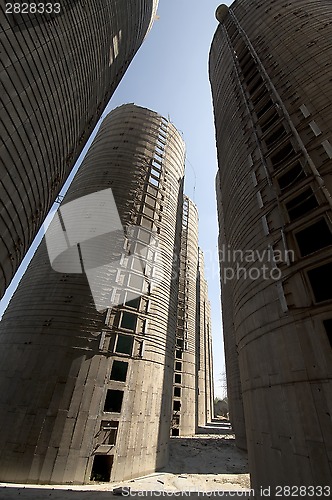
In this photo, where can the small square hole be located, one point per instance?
(101, 468)
(314, 237)
(302, 204)
(320, 280)
(113, 401)
(176, 405)
(128, 321)
(177, 392)
(119, 371)
(124, 344)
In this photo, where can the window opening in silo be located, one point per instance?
(119, 371)
(177, 392)
(328, 328)
(101, 468)
(301, 204)
(113, 401)
(314, 237)
(176, 405)
(320, 279)
(124, 344)
(291, 177)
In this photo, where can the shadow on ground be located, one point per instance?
(216, 454)
(13, 493)
(45, 494)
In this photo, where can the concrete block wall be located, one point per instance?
(270, 76)
(58, 73)
(60, 424)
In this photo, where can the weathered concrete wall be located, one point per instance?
(58, 73)
(57, 368)
(271, 82)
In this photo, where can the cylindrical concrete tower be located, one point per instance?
(59, 70)
(86, 395)
(204, 348)
(184, 420)
(271, 77)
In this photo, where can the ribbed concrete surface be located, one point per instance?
(185, 394)
(271, 76)
(55, 370)
(59, 71)
(193, 377)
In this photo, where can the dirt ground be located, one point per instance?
(207, 462)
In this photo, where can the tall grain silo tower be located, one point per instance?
(60, 67)
(87, 350)
(270, 72)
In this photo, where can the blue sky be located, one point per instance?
(169, 75)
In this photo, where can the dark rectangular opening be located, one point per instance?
(124, 344)
(178, 354)
(283, 155)
(249, 77)
(255, 86)
(178, 366)
(270, 121)
(109, 431)
(275, 136)
(119, 371)
(177, 392)
(177, 378)
(293, 175)
(314, 237)
(328, 328)
(175, 432)
(245, 61)
(321, 282)
(262, 93)
(180, 343)
(265, 108)
(113, 401)
(248, 68)
(101, 468)
(132, 300)
(128, 321)
(244, 57)
(176, 405)
(301, 204)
